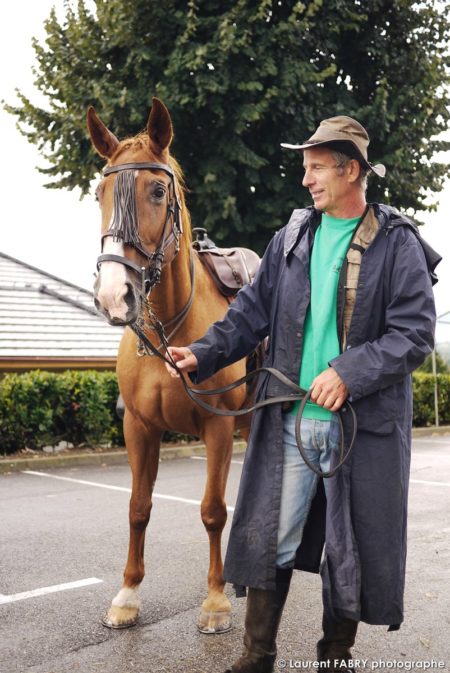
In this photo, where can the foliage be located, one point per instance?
(239, 77)
(441, 366)
(40, 408)
(423, 392)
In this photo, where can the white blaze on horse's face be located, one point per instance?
(119, 287)
(112, 287)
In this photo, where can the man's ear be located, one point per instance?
(353, 170)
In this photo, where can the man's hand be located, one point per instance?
(329, 390)
(184, 358)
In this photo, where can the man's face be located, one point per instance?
(332, 188)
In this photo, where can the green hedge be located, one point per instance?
(423, 388)
(42, 408)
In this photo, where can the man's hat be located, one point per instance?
(342, 132)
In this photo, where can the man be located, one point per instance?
(344, 295)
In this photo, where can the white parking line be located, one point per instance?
(233, 462)
(115, 488)
(432, 483)
(77, 481)
(48, 590)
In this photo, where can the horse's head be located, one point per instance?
(141, 220)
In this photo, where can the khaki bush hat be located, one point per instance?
(339, 130)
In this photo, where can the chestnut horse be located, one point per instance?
(146, 246)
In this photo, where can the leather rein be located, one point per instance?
(151, 276)
(298, 393)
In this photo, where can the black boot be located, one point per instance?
(262, 619)
(338, 637)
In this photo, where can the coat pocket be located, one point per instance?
(376, 413)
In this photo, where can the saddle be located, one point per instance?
(230, 268)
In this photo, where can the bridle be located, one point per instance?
(126, 229)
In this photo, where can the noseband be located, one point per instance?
(124, 226)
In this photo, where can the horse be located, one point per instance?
(149, 267)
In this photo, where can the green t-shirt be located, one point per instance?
(321, 342)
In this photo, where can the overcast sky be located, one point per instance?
(53, 229)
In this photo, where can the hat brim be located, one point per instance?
(378, 169)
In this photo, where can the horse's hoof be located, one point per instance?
(120, 618)
(214, 622)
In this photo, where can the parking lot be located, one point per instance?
(64, 535)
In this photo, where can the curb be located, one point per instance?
(106, 458)
(431, 431)
(167, 453)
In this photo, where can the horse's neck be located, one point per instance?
(173, 292)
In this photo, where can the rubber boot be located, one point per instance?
(262, 619)
(338, 637)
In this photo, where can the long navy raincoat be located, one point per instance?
(364, 520)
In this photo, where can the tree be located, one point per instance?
(239, 77)
(441, 365)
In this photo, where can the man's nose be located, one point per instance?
(307, 179)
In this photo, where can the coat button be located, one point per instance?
(299, 334)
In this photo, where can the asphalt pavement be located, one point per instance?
(63, 545)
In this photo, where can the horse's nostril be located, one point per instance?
(130, 297)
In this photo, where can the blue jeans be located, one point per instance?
(320, 439)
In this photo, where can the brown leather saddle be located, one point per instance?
(230, 268)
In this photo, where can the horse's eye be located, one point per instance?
(159, 192)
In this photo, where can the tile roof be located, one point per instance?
(42, 316)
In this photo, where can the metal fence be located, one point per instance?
(443, 319)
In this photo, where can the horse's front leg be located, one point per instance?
(215, 615)
(143, 455)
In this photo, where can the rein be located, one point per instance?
(297, 394)
(124, 227)
(178, 319)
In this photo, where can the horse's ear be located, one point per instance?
(159, 126)
(103, 140)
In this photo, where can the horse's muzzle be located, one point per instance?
(122, 312)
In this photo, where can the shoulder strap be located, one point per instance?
(362, 238)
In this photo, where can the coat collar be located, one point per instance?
(303, 217)
(300, 219)
(388, 217)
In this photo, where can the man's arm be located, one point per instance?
(243, 327)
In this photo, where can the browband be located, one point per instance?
(138, 166)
